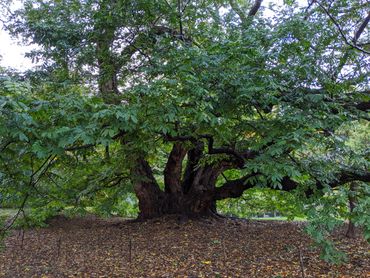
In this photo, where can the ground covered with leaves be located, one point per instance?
(174, 247)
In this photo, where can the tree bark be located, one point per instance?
(193, 191)
(151, 198)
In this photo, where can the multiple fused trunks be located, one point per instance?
(193, 191)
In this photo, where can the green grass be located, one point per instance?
(279, 218)
(6, 213)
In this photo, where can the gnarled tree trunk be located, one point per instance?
(190, 193)
(193, 191)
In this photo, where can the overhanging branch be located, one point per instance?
(235, 188)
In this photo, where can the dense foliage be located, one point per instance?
(186, 103)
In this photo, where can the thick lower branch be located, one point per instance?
(235, 188)
(193, 158)
(173, 169)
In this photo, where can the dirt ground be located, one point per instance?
(173, 247)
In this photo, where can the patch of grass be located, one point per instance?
(279, 218)
(6, 213)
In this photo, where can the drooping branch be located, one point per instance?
(16, 216)
(235, 188)
(6, 145)
(361, 105)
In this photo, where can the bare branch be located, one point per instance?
(15, 217)
(255, 8)
(361, 28)
(340, 29)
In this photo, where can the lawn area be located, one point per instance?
(279, 218)
(5, 213)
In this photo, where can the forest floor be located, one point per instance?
(173, 247)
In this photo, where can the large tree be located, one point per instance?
(169, 96)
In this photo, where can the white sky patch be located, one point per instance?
(12, 52)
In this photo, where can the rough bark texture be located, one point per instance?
(193, 191)
(189, 193)
(147, 190)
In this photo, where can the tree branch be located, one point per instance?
(193, 159)
(235, 188)
(173, 169)
(15, 217)
(238, 11)
(240, 156)
(340, 29)
(362, 105)
(361, 28)
(5, 146)
(255, 8)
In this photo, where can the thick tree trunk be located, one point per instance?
(190, 193)
(193, 191)
(151, 198)
(155, 204)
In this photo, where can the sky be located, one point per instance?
(12, 53)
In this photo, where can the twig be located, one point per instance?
(14, 218)
(225, 255)
(301, 263)
(22, 239)
(5, 146)
(59, 244)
